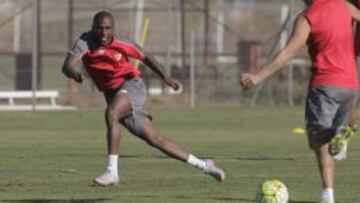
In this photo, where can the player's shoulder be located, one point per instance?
(85, 36)
(87, 41)
(125, 39)
(129, 44)
(122, 37)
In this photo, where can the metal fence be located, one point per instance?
(204, 43)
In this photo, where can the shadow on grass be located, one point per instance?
(252, 200)
(247, 158)
(55, 201)
(193, 199)
(264, 158)
(220, 199)
(230, 199)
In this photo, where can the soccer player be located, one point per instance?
(105, 57)
(326, 27)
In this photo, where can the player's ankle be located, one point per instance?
(196, 162)
(111, 172)
(112, 164)
(327, 194)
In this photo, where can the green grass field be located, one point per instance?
(53, 156)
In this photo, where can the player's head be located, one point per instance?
(308, 2)
(103, 27)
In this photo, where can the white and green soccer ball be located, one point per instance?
(272, 191)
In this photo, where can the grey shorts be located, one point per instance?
(328, 106)
(134, 89)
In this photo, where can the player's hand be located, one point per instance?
(172, 83)
(248, 80)
(78, 78)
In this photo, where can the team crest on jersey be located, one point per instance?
(101, 51)
(118, 56)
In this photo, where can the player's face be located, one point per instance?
(103, 31)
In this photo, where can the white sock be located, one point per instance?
(196, 162)
(112, 164)
(327, 194)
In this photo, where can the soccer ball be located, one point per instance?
(272, 191)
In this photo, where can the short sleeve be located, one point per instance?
(132, 48)
(79, 48)
(307, 15)
(137, 52)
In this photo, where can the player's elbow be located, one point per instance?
(65, 69)
(149, 61)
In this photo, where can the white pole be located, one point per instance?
(290, 85)
(220, 33)
(169, 38)
(284, 34)
(34, 52)
(285, 12)
(138, 19)
(17, 32)
(192, 70)
(178, 37)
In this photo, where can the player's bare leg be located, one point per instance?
(153, 138)
(326, 167)
(324, 160)
(353, 115)
(117, 108)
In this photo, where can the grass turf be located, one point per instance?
(52, 157)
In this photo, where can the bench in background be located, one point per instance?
(10, 100)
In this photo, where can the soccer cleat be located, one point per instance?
(338, 145)
(214, 171)
(106, 179)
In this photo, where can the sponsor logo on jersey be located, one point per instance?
(118, 56)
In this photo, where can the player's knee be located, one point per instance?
(113, 114)
(319, 135)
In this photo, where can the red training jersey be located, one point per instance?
(108, 65)
(330, 44)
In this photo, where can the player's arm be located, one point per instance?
(70, 64)
(355, 12)
(299, 36)
(136, 52)
(151, 62)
